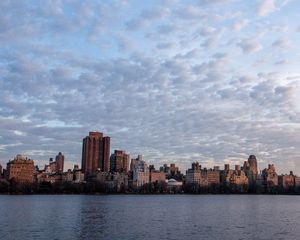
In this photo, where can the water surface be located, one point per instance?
(149, 217)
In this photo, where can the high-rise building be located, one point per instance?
(95, 153)
(60, 159)
(20, 169)
(140, 171)
(250, 168)
(119, 161)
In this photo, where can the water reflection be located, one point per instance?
(149, 217)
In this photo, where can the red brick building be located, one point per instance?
(20, 169)
(95, 153)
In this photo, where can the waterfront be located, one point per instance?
(149, 217)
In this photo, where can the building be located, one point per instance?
(286, 182)
(173, 185)
(117, 182)
(48, 177)
(270, 178)
(59, 160)
(78, 176)
(95, 153)
(56, 166)
(250, 169)
(210, 177)
(1, 171)
(238, 177)
(235, 180)
(119, 161)
(140, 172)
(135, 161)
(202, 177)
(297, 182)
(171, 171)
(68, 176)
(157, 177)
(52, 167)
(193, 175)
(20, 169)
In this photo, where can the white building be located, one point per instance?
(140, 172)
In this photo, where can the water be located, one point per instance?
(149, 217)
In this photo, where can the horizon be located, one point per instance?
(70, 165)
(178, 82)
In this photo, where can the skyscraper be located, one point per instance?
(250, 168)
(253, 164)
(59, 159)
(95, 153)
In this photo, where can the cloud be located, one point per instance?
(239, 25)
(214, 1)
(265, 7)
(146, 17)
(176, 89)
(281, 43)
(250, 45)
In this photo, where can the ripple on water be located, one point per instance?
(149, 217)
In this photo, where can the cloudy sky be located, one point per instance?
(178, 81)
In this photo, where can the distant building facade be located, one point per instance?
(56, 166)
(140, 172)
(202, 177)
(270, 178)
(286, 182)
(172, 171)
(20, 169)
(234, 179)
(95, 153)
(157, 177)
(193, 175)
(119, 161)
(251, 170)
(60, 159)
(297, 182)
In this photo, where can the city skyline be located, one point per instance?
(209, 81)
(97, 155)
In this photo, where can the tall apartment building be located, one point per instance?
(20, 169)
(140, 172)
(193, 175)
(250, 169)
(119, 161)
(60, 159)
(95, 153)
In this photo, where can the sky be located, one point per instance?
(177, 81)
